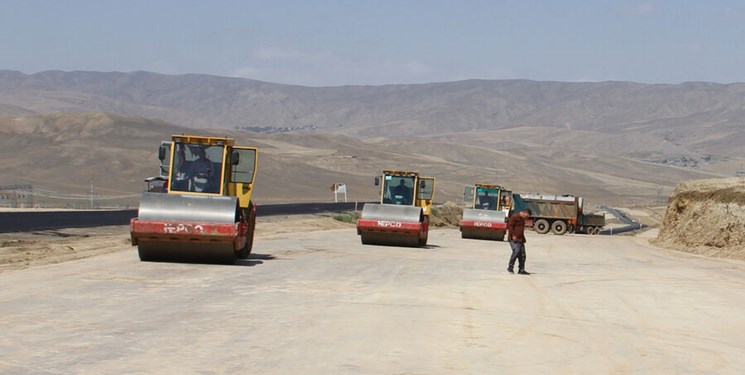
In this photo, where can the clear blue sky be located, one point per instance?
(374, 42)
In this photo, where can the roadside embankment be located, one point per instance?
(706, 217)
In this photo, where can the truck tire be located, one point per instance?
(559, 227)
(541, 226)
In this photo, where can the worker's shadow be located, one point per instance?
(254, 259)
(417, 247)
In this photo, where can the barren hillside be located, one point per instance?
(67, 153)
(690, 125)
(612, 142)
(706, 217)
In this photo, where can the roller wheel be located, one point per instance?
(145, 256)
(541, 226)
(250, 229)
(423, 241)
(559, 227)
(425, 232)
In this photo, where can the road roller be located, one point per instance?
(402, 216)
(485, 212)
(204, 211)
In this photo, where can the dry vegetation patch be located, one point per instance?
(706, 217)
(446, 215)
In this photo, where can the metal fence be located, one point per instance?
(25, 196)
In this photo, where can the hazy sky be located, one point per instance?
(374, 42)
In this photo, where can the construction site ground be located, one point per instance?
(313, 300)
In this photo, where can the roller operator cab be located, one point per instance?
(485, 211)
(402, 216)
(206, 213)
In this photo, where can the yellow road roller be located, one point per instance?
(402, 216)
(204, 211)
(485, 212)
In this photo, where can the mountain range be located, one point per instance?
(613, 142)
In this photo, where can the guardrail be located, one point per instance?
(631, 224)
(50, 220)
(627, 228)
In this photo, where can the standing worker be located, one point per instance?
(516, 233)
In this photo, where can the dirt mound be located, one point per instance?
(445, 215)
(706, 217)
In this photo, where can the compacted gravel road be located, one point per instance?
(313, 300)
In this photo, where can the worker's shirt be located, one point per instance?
(516, 228)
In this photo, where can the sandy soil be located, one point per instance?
(313, 300)
(24, 250)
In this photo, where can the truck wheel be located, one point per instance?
(559, 227)
(541, 226)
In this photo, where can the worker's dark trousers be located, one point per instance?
(518, 253)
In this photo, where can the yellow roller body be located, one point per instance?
(203, 210)
(394, 225)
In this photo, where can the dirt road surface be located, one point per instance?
(318, 302)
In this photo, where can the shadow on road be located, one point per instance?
(254, 259)
(247, 262)
(262, 256)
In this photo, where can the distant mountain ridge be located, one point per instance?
(204, 101)
(606, 140)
